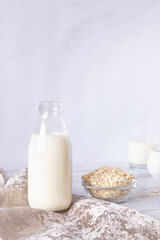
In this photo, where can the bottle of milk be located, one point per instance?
(50, 160)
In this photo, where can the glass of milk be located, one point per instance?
(139, 145)
(50, 160)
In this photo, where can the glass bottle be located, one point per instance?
(50, 160)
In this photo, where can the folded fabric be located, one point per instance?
(87, 218)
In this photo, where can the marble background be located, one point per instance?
(100, 57)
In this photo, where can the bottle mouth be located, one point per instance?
(50, 106)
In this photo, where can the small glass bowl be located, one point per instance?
(116, 195)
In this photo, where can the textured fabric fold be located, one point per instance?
(87, 218)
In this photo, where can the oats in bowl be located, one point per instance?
(109, 183)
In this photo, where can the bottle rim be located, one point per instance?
(50, 106)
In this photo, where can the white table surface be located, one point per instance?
(146, 184)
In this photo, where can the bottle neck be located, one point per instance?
(51, 107)
(46, 114)
(50, 119)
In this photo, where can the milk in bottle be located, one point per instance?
(50, 161)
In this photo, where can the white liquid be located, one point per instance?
(138, 151)
(154, 164)
(50, 172)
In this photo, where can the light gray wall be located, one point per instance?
(101, 57)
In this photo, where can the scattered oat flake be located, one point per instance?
(154, 191)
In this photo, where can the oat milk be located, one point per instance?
(138, 151)
(50, 172)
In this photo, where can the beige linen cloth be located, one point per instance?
(87, 218)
